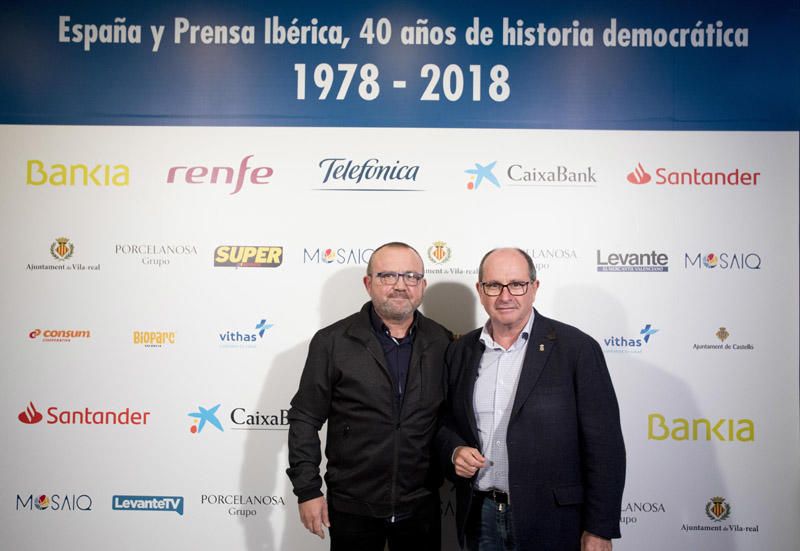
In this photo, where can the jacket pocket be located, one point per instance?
(569, 495)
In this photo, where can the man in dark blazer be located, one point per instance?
(531, 434)
(376, 377)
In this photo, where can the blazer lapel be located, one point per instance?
(471, 375)
(541, 343)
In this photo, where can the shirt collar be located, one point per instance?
(489, 342)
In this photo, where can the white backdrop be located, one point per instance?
(147, 250)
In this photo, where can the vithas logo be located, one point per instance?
(639, 175)
(30, 415)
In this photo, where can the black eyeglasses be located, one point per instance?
(495, 289)
(411, 279)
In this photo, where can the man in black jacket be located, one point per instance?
(377, 378)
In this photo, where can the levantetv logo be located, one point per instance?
(693, 177)
(632, 262)
(148, 503)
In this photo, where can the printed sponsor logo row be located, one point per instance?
(380, 174)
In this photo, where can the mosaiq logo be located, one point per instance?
(86, 416)
(232, 178)
(635, 343)
(373, 174)
(54, 502)
(722, 261)
(349, 256)
(693, 177)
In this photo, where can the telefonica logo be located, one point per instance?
(682, 429)
(40, 173)
(639, 176)
(232, 178)
(342, 174)
(148, 503)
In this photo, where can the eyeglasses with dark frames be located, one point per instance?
(495, 288)
(411, 279)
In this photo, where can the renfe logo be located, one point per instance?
(220, 174)
(148, 503)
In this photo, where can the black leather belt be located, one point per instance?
(501, 498)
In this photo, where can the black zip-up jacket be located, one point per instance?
(379, 452)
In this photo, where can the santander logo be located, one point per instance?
(30, 416)
(639, 175)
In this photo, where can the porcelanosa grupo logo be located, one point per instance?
(373, 174)
(155, 255)
(694, 177)
(481, 173)
(229, 177)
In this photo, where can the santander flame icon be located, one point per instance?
(30, 416)
(639, 175)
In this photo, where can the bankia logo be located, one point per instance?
(248, 256)
(39, 173)
(372, 174)
(165, 504)
(722, 261)
(155, 255)
(59, 335)
(632, 262)
(480, 173)
(337, 256)
(682, 429)
(154, 339)
(61, 250)
(86, 416)
(230, 177)
(244, 338)
(635, 343)
(54, 502)
(693, 177)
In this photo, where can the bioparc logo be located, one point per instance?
(248, 256)
(165, 504)
(229, 177)
(59, 335)
(245, 339)
(154, 339)
(240, 419)
(54, 502)
(61, 250)
(635, 344)
(719, 511)
(722, 261)
(694, 177)
(343, 174)
(86, 416)
(349, 256)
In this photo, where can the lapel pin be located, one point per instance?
(541, 348)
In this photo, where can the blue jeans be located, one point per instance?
(489, 527)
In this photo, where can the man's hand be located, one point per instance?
(467, 461)
(314, 515)
(590, 542)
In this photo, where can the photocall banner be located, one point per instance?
(191, 191)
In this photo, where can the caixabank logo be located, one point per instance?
(693, 177)
(43, 174)
(54, 502)
(720, 516)
(248, 256)
(228, 177)
(239, 418)
(530, 175)
(85, 416)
